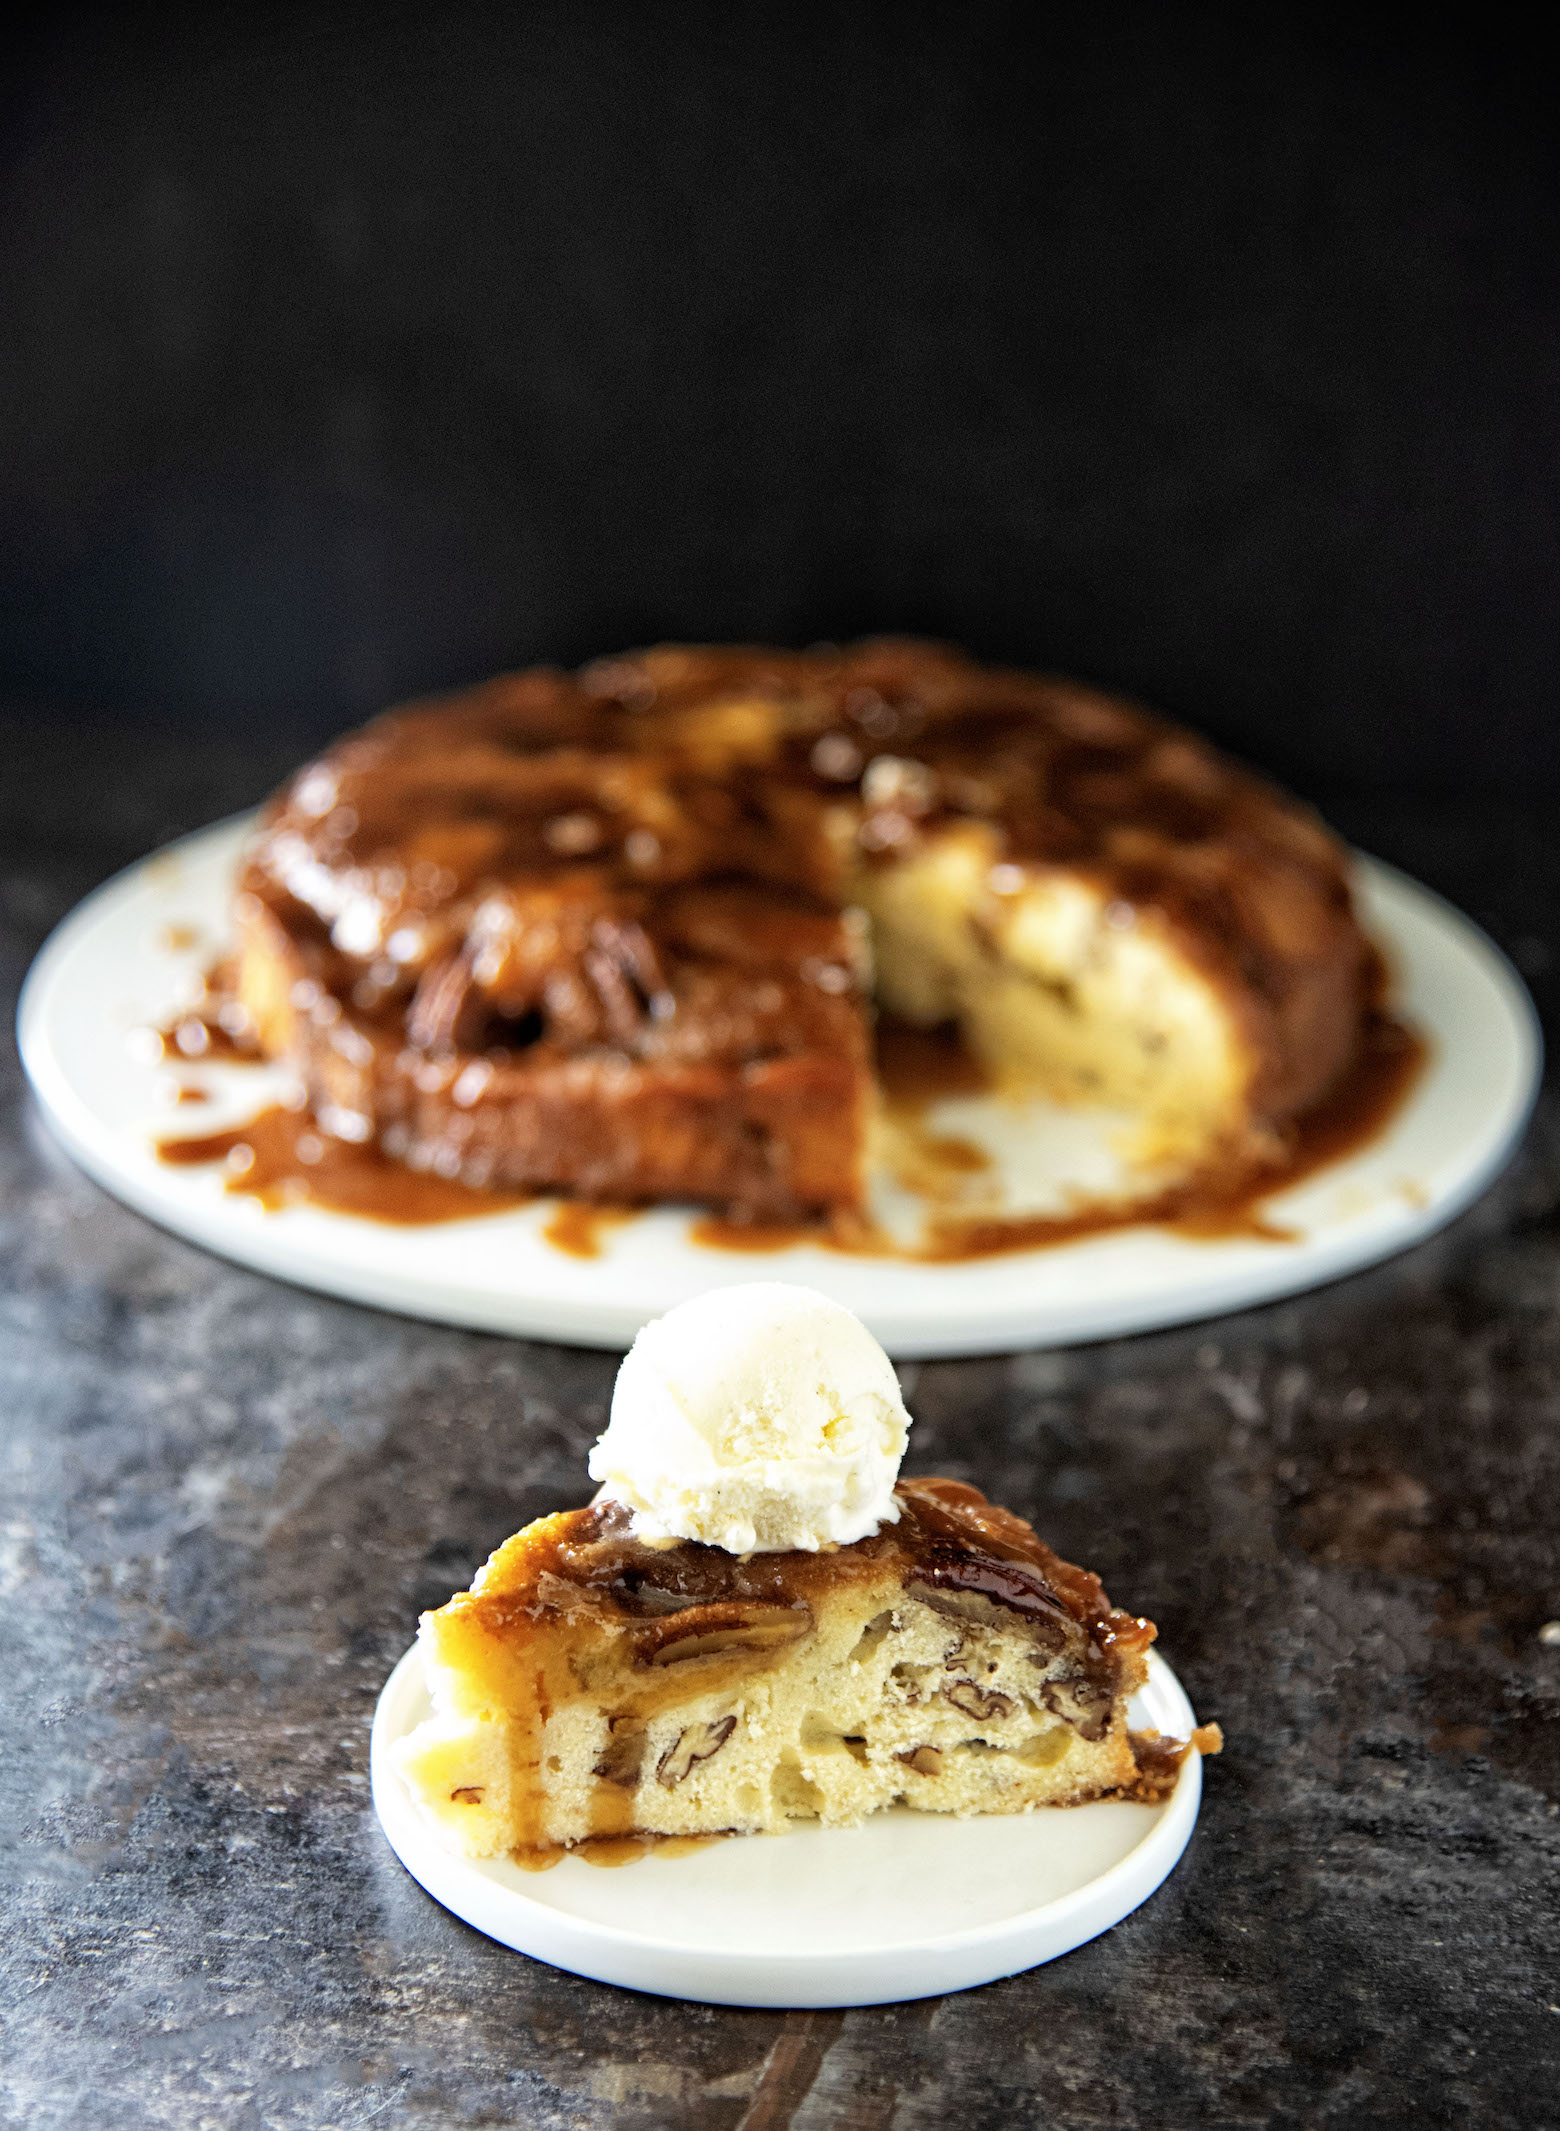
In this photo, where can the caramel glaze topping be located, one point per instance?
(640, 1613)
(949, 1537)
(647, 857)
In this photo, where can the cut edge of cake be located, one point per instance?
(1059, 988)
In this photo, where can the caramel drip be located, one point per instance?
(1211, 1207)
(611, 1851)
(281, 1158)
(946, 1153)
(579, 1229)
(1160, 1760)
(539, 1682)
(714, 1232)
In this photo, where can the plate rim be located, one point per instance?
(971, 1955)
(1005, 1325)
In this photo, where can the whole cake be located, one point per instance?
(754, 1625)
(620, 933)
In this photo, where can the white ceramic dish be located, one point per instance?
(118, 962)
(908, 1906)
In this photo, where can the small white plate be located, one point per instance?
(119, 961)
(910, 1905)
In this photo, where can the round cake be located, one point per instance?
(621, 933)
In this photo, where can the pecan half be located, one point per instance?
(978, 1702)
(624, 1753)
(960, 1582)
(1085, 1704)
(636, 1595)
(446, 1008)
(1050, 1632)
(925, 1760)
(722, 1630)
(692, 1746)
(622, 965)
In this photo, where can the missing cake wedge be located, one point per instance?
(591, 1684)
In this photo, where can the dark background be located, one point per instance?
(1212, 354)
(1208, 353)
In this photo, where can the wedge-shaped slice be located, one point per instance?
(588, 1685)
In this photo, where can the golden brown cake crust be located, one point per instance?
(585, 932)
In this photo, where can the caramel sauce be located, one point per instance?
(716, 1232)
(538, 1857)
(282, 1159)
(579, 1228)
(610, 1851)
(932, 1165)
(1217, 1206)
(1159, 1760)
(1213, 1206)
(185, 1093)
(684, 1845)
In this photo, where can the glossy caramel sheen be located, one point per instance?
(586, 1566)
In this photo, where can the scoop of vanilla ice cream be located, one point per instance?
(755, 1418)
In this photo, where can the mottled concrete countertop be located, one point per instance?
(225, 1502)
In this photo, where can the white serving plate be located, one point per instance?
(907, 1906)
(110, 969)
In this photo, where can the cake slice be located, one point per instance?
(590, 1684)
(754, 1625)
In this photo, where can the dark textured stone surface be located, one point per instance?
(225, 1502)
